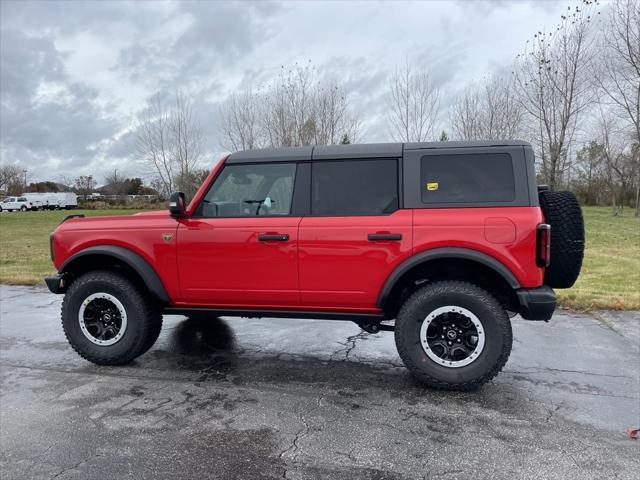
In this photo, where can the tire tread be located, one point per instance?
(151, 318)
(442, 287)
(562, 211)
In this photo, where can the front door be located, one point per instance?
(356, 234)
(239, 249)
(10, 203)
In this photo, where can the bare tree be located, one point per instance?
(10, 175)
(465, 115)
(617, 164)
(486, 111)
(65, 180)
(414, 105)
(240, 122)
(153, 143)
(298, 109)
(591, 173)
(555, 83)
(187, 143)
(288, 116)
(332, 118)
(85, 185)
(115, 182)
(618, 71)
(170, 142)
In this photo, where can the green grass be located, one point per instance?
(24, 243)
(610, 277)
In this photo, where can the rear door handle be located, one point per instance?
(379, 237)
(273, 237)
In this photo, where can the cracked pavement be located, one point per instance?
(298, 399)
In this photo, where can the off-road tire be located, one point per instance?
(144, 318)
(494, 319)
(562, 211)
(154, 333)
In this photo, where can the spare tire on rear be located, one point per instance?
(562, 212)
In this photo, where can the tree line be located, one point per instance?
(13, 181)
(573, 92)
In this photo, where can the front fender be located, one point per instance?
(130, 258)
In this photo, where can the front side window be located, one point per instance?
(354, 187)
(251, 190)
(467, 178)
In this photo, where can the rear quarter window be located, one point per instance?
(467, 178)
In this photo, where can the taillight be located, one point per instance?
(543, 245)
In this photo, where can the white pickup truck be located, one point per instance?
(16, 203)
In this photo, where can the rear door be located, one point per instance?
(356, 233)
(240, 247)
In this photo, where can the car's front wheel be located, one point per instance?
(108, 320)
(453, 335)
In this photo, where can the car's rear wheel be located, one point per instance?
(453, 335)
(108, 320)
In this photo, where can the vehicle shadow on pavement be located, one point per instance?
(209, 348)
(202, 337)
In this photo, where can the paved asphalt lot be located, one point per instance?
(242, 399)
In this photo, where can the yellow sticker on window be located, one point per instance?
(431, 186)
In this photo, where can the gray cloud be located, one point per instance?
(74, 76)
(45, 117)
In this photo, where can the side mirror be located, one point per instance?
(177, 207)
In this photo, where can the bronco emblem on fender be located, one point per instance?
(167, 237)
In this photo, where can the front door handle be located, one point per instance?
(273, 237)
(380, 237)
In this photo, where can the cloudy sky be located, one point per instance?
(75, 75)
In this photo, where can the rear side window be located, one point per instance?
(467, 178)
(354, 187)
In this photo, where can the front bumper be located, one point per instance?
(55, 283)
(537, 303)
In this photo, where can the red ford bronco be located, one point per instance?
(447, 240)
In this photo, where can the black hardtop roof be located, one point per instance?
(361, 150)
